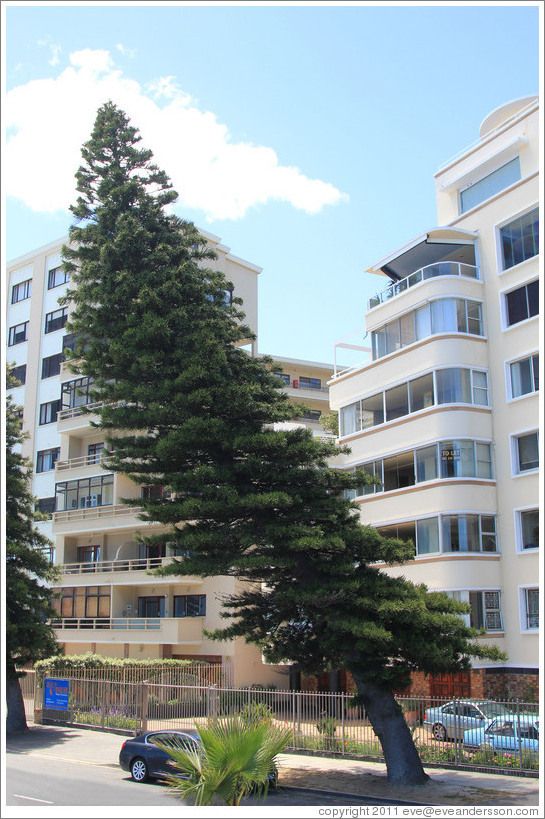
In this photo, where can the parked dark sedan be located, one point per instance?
(144, 759)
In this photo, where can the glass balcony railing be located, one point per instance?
(431, 271)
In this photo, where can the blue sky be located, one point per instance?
(305, 136)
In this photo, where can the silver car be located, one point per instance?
(449, 721)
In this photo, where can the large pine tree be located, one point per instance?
(28, 574)
(187, 407)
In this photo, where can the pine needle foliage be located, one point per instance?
(186, 407)
(28, 572)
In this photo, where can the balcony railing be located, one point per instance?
(84, 460)
(129, 565)
(127, 623)
(469, 271)
(95, 512)
(73, 412)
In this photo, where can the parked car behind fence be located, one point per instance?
(451, 720)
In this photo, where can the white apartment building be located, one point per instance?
(446, 408)
(110, 605)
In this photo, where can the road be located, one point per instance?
(40, 780)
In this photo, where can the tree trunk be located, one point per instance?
(16, 717)
(385, 715)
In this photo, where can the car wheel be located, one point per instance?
(139, 770)
(439, 732)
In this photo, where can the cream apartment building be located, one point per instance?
(446, 409)
(110, 604)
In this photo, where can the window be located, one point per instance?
(21, 291)
(399, 471)
(524, 376)
(448, 315)
(421, 392)
(76, 393)
(85, 493)
(531, 608)
(56, 277)
(153, 491)
(46, 458)
(51, 365)
(45, 506)
(85, 601)
(447, 533)
(453, 385)
(446, 459)
(19, 373)
(152, 551)
(519, 239)
(485, 610)
(284, 377)
(190, 605)
(468, 533)
(526, 452)
(522, 303)
(56, 320)
(94, 452)
(88, 554)
(18, 333)
(529, 528)
(490, 185)
(151, 606)
(397, 402)
(479, 380)
(49, 411)
(310, 383)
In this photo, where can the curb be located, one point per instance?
(357, 796)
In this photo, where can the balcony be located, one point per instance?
(115, 571)
(77, 419)
(98, 519)
(173, 630)
(81, 462)
(431, 271)
(127, 565)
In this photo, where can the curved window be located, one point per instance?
(447, 533)
(448, 315)
(442, 460)
(453, 385)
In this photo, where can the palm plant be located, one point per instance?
(235, 759)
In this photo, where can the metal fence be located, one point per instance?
(27, 684)
(194, 673)
(319, 722)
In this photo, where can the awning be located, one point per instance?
(437, 245)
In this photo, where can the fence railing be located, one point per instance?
(496, 736)
(428, 272)
(126, 565)
(106, 511)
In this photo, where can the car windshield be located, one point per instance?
(494, 709)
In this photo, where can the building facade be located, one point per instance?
(109, 604)
(446, 408)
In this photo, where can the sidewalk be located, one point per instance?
(447, 787)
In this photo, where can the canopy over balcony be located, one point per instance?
(437, 245)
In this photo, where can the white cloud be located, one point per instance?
(126, 52)
(56, 50)
(167, 87)
(49, 120)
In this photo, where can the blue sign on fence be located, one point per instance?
(56, 694)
